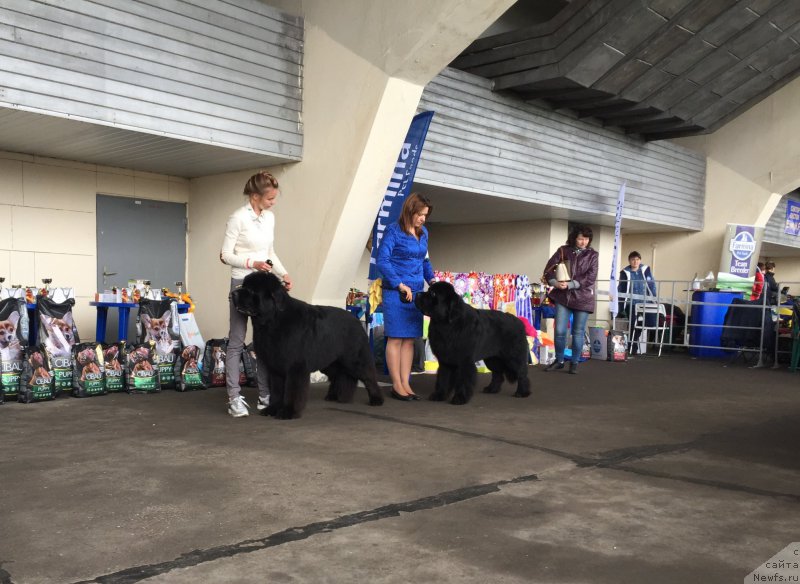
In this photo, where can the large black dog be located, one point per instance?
(294, 338)
(461, 335)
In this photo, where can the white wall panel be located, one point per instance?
(226, 73)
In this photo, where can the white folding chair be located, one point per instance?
(651, 309)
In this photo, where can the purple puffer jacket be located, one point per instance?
(583, 269)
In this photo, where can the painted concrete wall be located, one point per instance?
(48, 221)
(751, 157)
(360, 93)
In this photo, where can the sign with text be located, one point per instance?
(740, 250)
(792, 218)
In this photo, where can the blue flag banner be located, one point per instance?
(399, 185)
(613, 294)
(792, 218)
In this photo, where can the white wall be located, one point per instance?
(48, 221)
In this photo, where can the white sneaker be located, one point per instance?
(237, 407)
(263, 403)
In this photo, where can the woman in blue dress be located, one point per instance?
(405, 267)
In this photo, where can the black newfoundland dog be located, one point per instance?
(461, 335)
(294, 338)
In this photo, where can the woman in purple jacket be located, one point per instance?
(574, 297)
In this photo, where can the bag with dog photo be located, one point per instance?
(13, 340)
(214, 362)
(617, 346)
(142, 372)
(187, 369)
(114, 366)
(88, 372)
(57, 334)
(36, 381)
(250, 366)
(157, 322)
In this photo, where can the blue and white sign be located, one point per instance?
(792, 218)
(742, 247)
(399, 185)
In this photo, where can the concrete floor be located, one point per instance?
(656, 470)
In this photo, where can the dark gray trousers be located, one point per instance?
(233, 357)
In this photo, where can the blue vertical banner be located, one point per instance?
(400, 184)
(742, 246)
(792, 218)
(613, 295)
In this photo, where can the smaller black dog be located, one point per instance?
(461, 335)
(293, 338)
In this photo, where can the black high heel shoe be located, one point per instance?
(554, 365)
(396, 395)
(414, 396)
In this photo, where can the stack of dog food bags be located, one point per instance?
(214, 362)
(187, 369)
(157, 323)
(36, 381)
(57, 334)
(88, 372)
(250, 366)
(13, 340)
(141, 370)
(114, 366)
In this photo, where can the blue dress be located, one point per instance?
(402, 258)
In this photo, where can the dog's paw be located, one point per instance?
(519, 393)
(437, 396)
(286, 413)
(459, 399)
(270, 410)
(376, 400)
(491, 389)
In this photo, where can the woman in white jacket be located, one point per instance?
(249, 247)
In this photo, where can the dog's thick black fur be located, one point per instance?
(461, 335)
(294, 338)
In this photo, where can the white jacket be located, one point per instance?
(249, 238)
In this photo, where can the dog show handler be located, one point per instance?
(248, 247)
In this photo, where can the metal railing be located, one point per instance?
(696, 321)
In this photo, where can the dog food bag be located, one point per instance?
(157, 321)
(214, 362)
(617, 346)
(188, 376)
(141, 369)
(88, 370)
(13, 340)
(57, 333)
(166, 363)
(114, 366)
(250, 366)
(36, 382)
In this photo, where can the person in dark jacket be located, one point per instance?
(636, 284)
(575, 296)
(770, 285)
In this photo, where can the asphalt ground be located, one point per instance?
(656, 470)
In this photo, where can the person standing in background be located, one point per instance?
(758, 282)
(770, 285)
(574, 297)
(248, 247)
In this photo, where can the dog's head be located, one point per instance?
(440, 302)
(8, 329)
(85, 357)
(62, 325)
(36, 360)
(261, 296)
(139, 355)
(190, 354)
(111, 353)
(157, 328)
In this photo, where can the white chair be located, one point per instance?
(651, 310)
